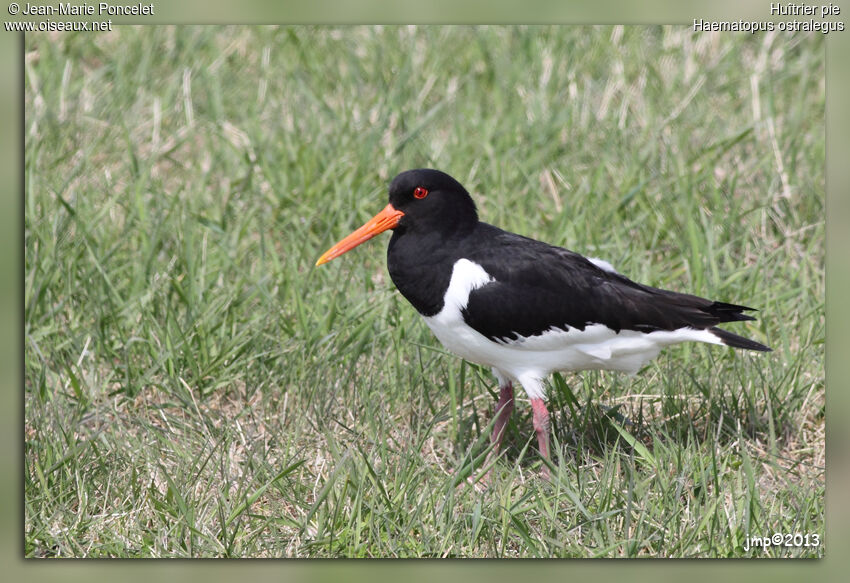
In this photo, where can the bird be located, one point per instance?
(522, 307)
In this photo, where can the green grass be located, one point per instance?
(196, 388)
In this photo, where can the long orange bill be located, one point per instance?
(386, 219)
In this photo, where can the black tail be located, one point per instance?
(736, 341)
(729, 312)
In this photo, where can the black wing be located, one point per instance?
(537, 287)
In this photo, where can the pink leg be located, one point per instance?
(504, 408)
(540, 418)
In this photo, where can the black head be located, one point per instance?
(431, 200)
(421, 201)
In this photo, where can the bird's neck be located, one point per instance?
(420, 265)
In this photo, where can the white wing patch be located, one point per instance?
(602, 264)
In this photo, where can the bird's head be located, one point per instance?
(421, 199)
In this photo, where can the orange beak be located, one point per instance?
(386, 219)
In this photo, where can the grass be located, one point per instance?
(196, 388)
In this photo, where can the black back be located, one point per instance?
(539, 286)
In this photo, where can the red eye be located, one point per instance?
(420, 192)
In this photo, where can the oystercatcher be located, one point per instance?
(521, 306)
